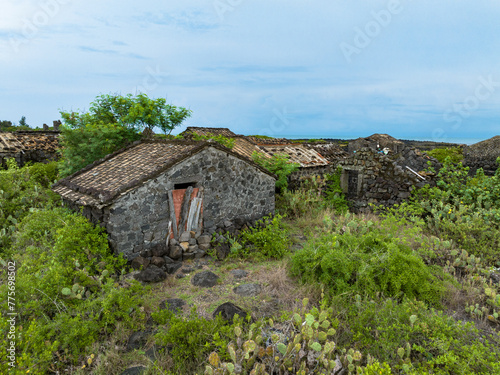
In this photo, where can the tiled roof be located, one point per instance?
(9, 143)
(267, 141)
(330, 151)
(14, 142)
(298, 154)
(102, 181)
(245, 148)
(208, 131)
(489, 148)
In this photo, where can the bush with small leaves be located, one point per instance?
(268, 239)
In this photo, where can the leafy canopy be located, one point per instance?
(112, 122)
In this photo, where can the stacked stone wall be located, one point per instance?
(379, 180)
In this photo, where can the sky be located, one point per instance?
(320, 68)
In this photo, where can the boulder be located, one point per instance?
(175, 252)
(184, 246)
(152, 274)
(239, 274)
(158, 262)
(203, 246)
(248, 290)
(137, 370)
(205, 279)
(228, 310)
(140, 263)
(173, 304)
(173, 267)
(159, 250)
(185, 236)
(137, 340)
(204, 239)
(168, 260)
(188, 256)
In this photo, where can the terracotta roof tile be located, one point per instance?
(104, 180)
(246, 148)
(298, 154)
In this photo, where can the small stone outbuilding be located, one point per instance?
(370, 177)
(29, 146)
(156, 190)
(483, 155)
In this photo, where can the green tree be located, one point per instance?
(22, 122)
(5, 125)
(112, 122)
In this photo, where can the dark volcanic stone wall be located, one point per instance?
(233, 190)
(483, 155)
(370, 177)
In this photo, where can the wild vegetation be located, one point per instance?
(112, 122)
(413, 289)
(8, 126)
(454, 153)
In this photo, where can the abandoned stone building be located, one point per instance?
(370, 177)
(152, 191)
(483, 155)
(29, 146)
(310, 161)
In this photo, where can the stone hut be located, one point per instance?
(155, 190)
(370, 177)
(24, 146)
(377, 142)
(483, 155)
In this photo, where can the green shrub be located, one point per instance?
(192, 338)
(269, 239)
(313, 194)
(362, 257)
(224, 141)
(20, 192)
(411, 337)
(306, 199)
(455, 154)
(278, 164)
(66, 294)
(44, 174)
(334, 196)
(460, 208)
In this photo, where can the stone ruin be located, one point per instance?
(369, 177)
(483, 155)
